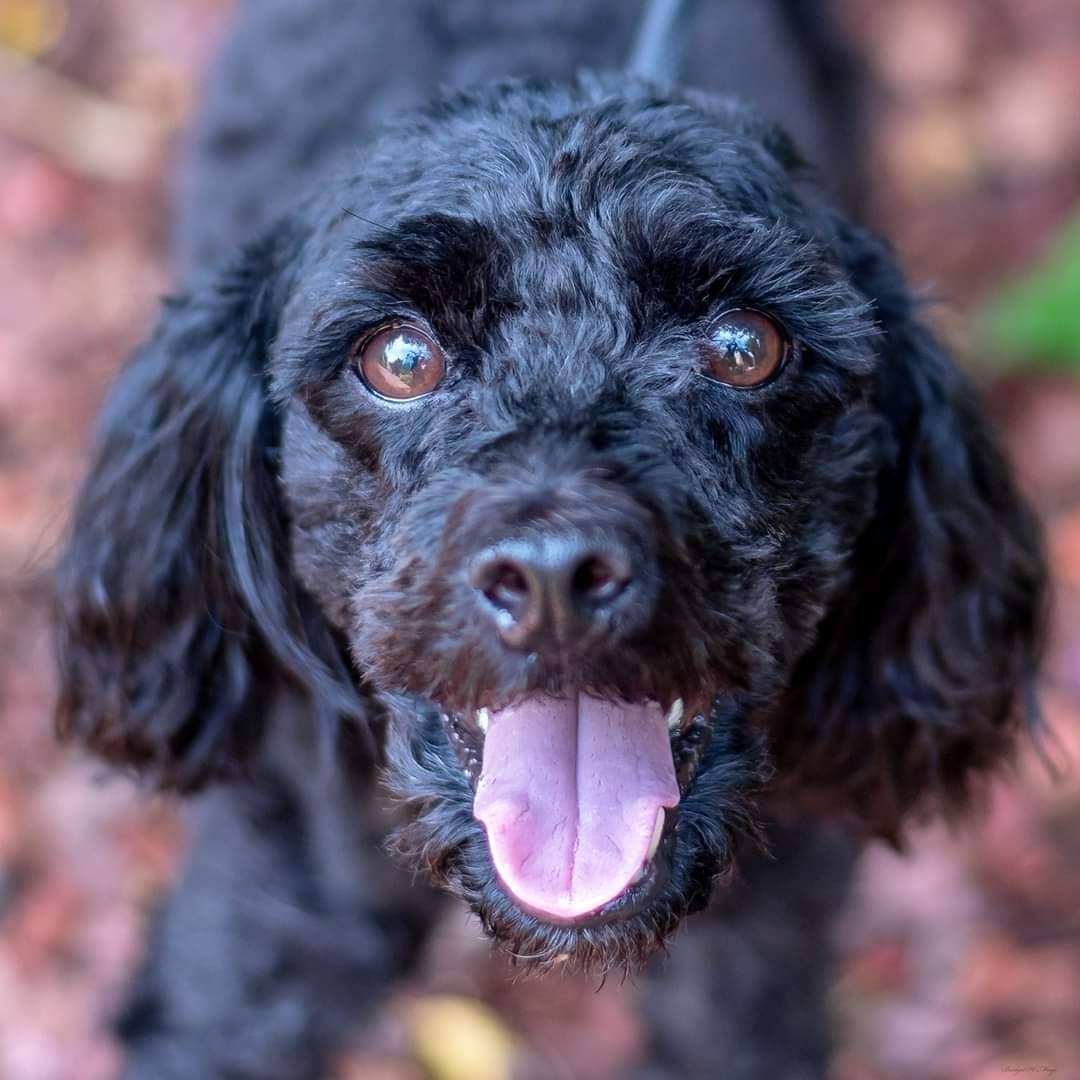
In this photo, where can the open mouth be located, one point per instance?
(577, 795)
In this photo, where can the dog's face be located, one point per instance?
(583, 451)
(557, 456)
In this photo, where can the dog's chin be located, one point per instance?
(436, 768)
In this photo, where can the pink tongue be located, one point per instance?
(569, 793)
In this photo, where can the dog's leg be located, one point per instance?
(287, 925)
(742, 995)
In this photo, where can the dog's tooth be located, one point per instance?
(657, 834)
(675, 715)
(483, 718)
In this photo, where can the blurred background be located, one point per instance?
(962, 960)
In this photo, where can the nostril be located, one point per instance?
(600, 579)
(506, 586)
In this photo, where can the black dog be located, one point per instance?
(572, 461)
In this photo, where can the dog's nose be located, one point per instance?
(554, 588)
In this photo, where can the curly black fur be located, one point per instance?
(265, 583)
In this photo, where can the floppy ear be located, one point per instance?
(922, 678)
(178, 618)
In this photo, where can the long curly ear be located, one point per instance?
(923, 674)
(178, 618)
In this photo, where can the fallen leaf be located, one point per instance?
(458, 1038)
(31, 26)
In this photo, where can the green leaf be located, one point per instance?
(1035, 320)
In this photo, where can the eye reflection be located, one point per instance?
(405, 359)
(740, 348)
(401, 362)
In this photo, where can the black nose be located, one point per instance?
(552, 588)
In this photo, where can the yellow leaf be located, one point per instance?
(31, 27)
(458, 1038)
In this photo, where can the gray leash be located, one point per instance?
(660, 49)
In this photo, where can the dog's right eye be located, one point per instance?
(400, 362)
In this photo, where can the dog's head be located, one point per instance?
(605, 464)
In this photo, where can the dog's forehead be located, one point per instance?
(532, 161)
(554, 206)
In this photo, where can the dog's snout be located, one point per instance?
(558, 589)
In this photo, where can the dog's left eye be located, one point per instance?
(400, 362)
(744, 348)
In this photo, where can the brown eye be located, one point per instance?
(745, 348)
(400, 362)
